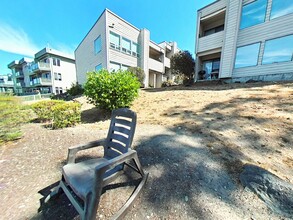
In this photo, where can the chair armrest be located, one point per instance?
(101, 169)
(72, 151)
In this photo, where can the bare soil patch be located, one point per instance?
(192, 140)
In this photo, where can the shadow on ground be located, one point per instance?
(94, 115)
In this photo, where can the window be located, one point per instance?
(56, 62)
(98, 67)
(58, 76)
(58, 90)
(114, 67)
(247, 55)
(278, 50)
(46, 75)
(134, 49)
(211, 69)
(46, 60)
(214, 30)
(98, 45)
(253, 13)
(126, 46)
(281, 7)
(114, 41)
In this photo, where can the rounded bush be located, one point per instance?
(111, 90)
(59, 114)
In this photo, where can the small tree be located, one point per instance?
(183, 63)
(111, 90)
(139, 73)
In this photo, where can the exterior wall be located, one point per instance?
(211, 8)
(270, 29)
(38, 68)
(6, 85)
(231, 33)
(108, 22)
(124, 29)
(85, 57)
(233, 38)
(68, 74)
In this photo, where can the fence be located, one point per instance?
(34, 97)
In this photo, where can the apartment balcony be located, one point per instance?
(19, 84)
(210, 42)
(156, 65)
(41, 82)
(19, 74)
(39, 67)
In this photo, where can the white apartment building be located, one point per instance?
(50, 71)
(6, 83)
(113, 43)
(243, 40)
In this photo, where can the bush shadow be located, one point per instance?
(94, 115)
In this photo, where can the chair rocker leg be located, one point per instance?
(56, 192)
(124, 209)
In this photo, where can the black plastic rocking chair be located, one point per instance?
(84, 181)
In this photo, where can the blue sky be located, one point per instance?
(27, 26)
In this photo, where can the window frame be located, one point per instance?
(98, 44)
(270, 40)
(249, 18)
(98, 67)
(272, 7)
(124, 49)
(257, 55)
(114, 45)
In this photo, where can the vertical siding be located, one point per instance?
(230, 40)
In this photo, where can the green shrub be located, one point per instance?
(139, 74)
(12, 116)
(66, 114)
(111, 90)
(59, 113)
(43, 109)
(167, 83)
(75, 90)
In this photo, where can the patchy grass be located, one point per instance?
(12, 116)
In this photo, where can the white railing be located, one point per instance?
(40, 66)
(210, 42)
(155, 65)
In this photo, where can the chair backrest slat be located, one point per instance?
(118, 147)
(121, 132)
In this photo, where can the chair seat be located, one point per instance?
(80, 176)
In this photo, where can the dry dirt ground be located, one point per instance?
(192, 140)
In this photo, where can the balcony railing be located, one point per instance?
(40, 67)
(19, 84)
(156, 65)
(41, 82)
(210, 42)
(19, 74)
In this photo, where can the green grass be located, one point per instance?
(12, 116)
